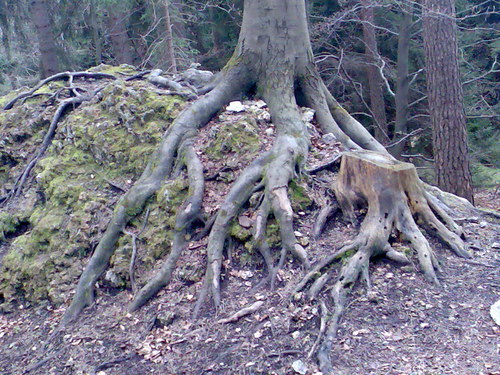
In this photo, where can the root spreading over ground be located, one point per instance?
(395, 200)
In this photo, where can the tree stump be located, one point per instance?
(396, 200)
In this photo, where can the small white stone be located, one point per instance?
(235, 107)
(329, 138)
(483, 224)
(269, 131)
(495, 312)
(299, 367)
(260, 104)
(307, 114)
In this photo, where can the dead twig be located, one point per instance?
(335, 161)
(243, 312)
(133, 258)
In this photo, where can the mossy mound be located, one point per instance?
(101, 147)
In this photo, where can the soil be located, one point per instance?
(404, 326)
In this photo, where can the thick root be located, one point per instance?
(236, 198)
(275, 169)
(187, 213)
(159, 167)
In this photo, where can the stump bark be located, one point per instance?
(396, 202)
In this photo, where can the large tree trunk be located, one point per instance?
(274, 54)
(48, 52)
(446, 98)
(375, 82)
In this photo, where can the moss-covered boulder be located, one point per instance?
(100, 148)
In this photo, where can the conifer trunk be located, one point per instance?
(48, 52)
(445, 94)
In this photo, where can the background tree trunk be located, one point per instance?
(48, 52)
(446, 98)
(402, 80)
(116, 22)
(373, 73)
(169, 40)
(95, 33)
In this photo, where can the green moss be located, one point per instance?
(347, 255)
(8, 224)
(100, 141)
(238, 232)
(118, 71)
(299, 197)
(241, 137)
(273, 233)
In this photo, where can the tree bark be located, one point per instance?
(375, 82)
(402, 80)
(116, 22)
(446, 98)
(5, 27)
(48, 53)
(95, 33)
(169, 41)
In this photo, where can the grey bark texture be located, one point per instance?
(375, 83)
(402, 80)
(48, 52)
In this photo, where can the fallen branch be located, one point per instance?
(67, 75)
(241, 313)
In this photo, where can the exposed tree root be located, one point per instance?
(133, 258)
(328, 210)
(394, 195)
(47, 141)
(63, 75)
(159, 168)
(187, 213)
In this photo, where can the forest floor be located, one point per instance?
(405, 326)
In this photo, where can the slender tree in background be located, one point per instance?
(95, 32)
(5, 28)
(48, 52)
(169, 41)
(375, 82)
(116, 19)
(402, 79)
(446, 98)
